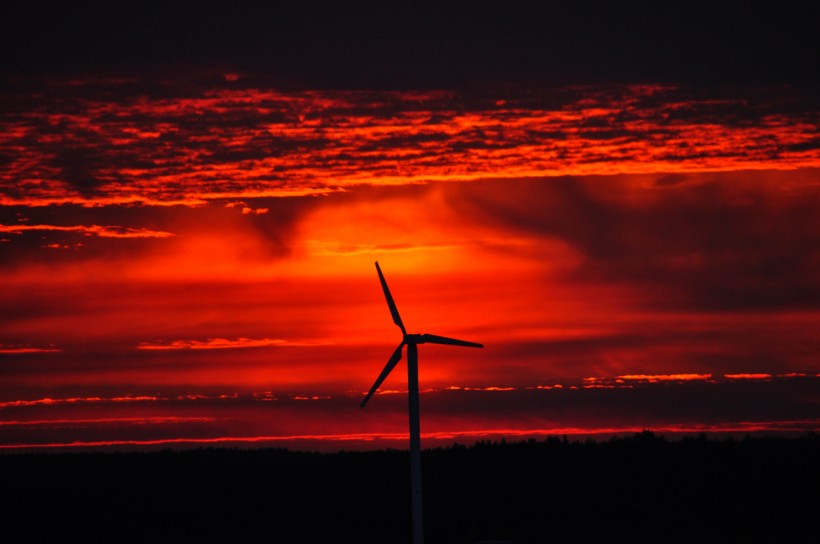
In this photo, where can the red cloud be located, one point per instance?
(91, 230)
(221, 343)
(241, 143)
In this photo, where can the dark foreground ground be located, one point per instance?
(641, 489)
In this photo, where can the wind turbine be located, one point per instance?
(411, 341)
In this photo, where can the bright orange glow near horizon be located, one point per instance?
(209, 251)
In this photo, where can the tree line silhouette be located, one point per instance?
(643, 488)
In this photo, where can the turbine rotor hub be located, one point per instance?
(414, 339)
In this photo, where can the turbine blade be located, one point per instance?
(393, 310)
(434, 339)
(391, 364)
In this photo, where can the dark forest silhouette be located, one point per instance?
(643, 488)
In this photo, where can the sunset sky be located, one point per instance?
(623, 208)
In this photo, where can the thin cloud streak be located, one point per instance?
(108, 231)
(107, 421)
(363, 441)
(224, 343)
(21, 349)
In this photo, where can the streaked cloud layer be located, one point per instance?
(604, 408)
(128, 141)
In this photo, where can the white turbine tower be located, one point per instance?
(411, 341)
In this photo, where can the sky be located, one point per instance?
(621, 203)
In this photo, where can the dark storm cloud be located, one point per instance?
(79, 167)
(716, 242)
(739, 346)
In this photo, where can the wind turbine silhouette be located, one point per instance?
(411, 341)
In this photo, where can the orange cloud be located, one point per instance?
(222, 343)
(91, 230)
(665, 377)
(20, 349)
